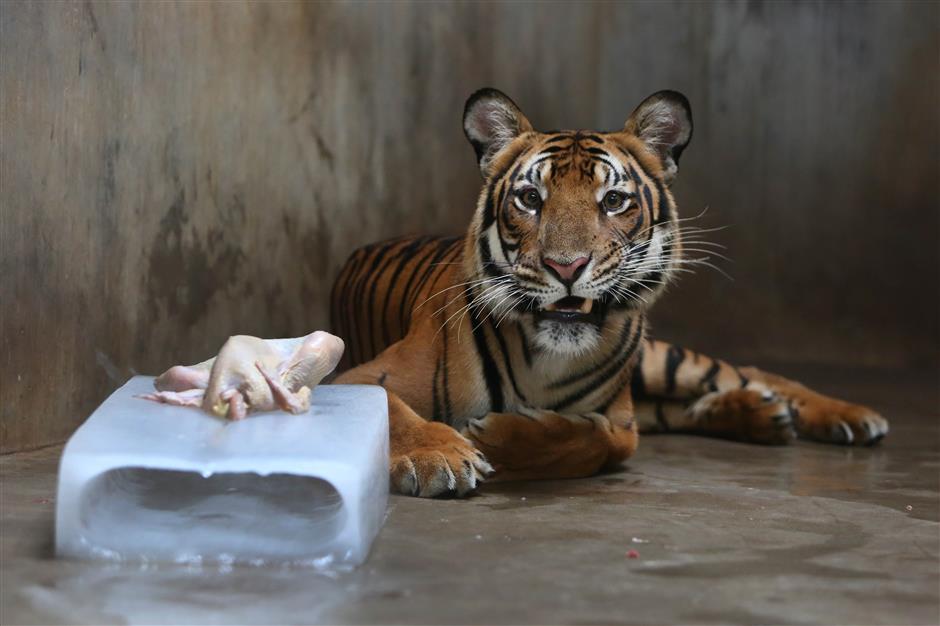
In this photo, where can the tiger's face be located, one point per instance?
(573, 228)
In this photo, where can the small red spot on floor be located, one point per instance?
(42, 501)
(633, 554)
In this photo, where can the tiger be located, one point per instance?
(519, 350)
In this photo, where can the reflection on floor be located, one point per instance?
(720, 533)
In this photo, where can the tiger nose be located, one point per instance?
(567, 272)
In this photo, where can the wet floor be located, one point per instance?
(692, 530)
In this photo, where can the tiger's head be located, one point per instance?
(573, 228)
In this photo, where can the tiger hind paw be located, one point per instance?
(833, 421)
(753, 415)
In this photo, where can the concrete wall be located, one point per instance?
(176, 173)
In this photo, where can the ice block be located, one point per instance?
(147, 481)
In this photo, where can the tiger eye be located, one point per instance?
(531, 198)
(613, 200)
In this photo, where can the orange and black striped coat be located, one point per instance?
(519, 350)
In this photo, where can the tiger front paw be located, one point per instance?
(447, 465)
(536, 443)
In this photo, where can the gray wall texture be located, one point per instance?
(174, 173)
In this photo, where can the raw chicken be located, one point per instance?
(252, 374)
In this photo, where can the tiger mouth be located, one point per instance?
(572, 309)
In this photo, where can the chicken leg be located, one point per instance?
(252, 374)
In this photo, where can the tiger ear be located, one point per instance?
(664, 123)
(491, 121)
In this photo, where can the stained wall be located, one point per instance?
(174, 173)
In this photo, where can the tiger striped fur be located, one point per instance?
(519, 350)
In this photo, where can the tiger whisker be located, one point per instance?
(474, 305)
(516, 295)
(469, 282)
(463, 310)
(493, 309)
(511, 308)
(629, 293)
(464, 293)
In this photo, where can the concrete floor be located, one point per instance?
(726, 533)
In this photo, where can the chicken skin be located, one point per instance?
(251, 374)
